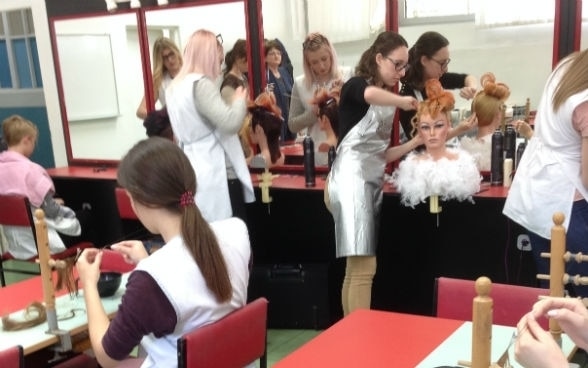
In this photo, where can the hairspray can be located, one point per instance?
(520, 151)
(332, 155)
(510, 142)
(309, 170)
(497, 158)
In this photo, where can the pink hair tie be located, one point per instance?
(187, 199)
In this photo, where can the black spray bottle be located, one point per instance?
(309, 169)
(497, 158)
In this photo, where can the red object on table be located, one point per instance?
(370, 338)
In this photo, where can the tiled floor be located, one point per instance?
(279, 342)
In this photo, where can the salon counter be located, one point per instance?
(464, 240)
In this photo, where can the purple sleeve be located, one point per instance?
(144, 309)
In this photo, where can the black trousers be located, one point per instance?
(237, 199)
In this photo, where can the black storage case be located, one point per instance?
(298, 294)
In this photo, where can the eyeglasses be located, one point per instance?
(398, 65)
(219, 38)
(168, 56)
(442, 64)
(274, 53)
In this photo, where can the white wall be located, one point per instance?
(519, 56)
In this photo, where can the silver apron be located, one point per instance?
(355, 183)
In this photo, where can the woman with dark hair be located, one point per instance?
(280, 82)
(235, 74)
(429, 58)
(354, 185)
(198, 277)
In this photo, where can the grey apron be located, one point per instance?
(355, 183)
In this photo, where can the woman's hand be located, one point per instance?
(88, 266)
(536, 347)
(571, 315)
(467, 92)
(468, 124)
(523, 128)
(408, 103)
(132, 251)
(240, 92)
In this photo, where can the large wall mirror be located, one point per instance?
(99, 64)
(101, 93)
(516, 46)
(100, 80)
(226, 19)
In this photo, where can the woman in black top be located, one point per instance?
(429, 58)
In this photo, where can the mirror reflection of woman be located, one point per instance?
(235, 71)
(167, 61)
(207, 128)
(320, 71)
(429, 58)
(281, 83)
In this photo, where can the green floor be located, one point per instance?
(282, 342)
(279, 342)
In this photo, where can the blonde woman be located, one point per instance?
(167, 61)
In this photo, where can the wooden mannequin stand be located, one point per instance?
(482, 324)
(557, 260)
(47, 264)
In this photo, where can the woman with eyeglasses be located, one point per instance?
(320, 71)
(429, 58)
(207, 127)
(353, 190)
(167, 61)
(280, 82)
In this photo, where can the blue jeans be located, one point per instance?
(576, 241)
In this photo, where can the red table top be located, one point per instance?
(290, 181)
(84, 172)
(369, 338)
(19, 295)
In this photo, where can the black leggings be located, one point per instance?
(237, 199)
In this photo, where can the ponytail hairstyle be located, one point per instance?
(490, 100)
(438, 101)
(265, 112)
(157, 174)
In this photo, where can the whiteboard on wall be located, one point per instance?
(87, 76)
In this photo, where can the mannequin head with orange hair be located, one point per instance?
(432, 120)
(488, 104)
(266, 114)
